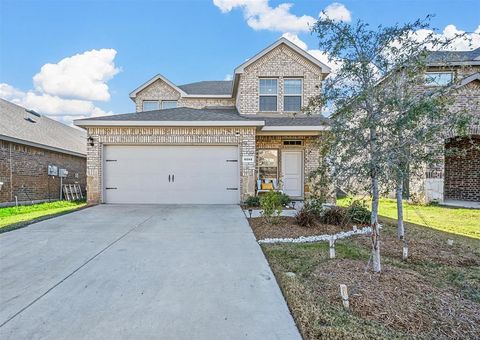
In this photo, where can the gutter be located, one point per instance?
(42, 146)
(86, 123)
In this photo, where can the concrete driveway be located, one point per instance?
(140, 272)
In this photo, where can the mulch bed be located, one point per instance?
(287, 227)
(399, 298)
(424, 247)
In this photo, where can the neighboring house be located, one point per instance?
(212, 141)
(29, 143)
(457, 176)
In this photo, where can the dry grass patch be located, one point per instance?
(434, 294)
(400, 299)
(287, 227)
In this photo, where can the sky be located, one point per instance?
(75, 59)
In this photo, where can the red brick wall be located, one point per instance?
(462, 169)
(23, 171)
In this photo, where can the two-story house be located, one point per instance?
(455, 179)
(213, 142)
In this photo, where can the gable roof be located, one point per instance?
(134, 93)
(40, 131)
(454, 57)
(468, 80)
(282, 40)
(225, 89)
(211, 87)
(214, 116)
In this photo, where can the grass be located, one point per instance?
(458, 221)
(434, 294)
(12, 216)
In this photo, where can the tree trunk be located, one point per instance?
(399, 196)
(377, 267)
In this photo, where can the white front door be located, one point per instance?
(292, 172)
(171, 174)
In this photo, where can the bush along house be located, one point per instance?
(214, 142)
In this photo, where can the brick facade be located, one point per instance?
(23, 171)
(433, 184)
(282, 62)
(243, 137)
(462, 169)
(159, 90)
(310, 148)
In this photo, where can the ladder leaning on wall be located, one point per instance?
(72, 192)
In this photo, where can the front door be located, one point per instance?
(292, 172)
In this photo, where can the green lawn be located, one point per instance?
(458, 221)
(14, 215)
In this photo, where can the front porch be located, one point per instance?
(285, 164)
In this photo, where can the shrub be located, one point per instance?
(358, 212)
(315, 204)
(271, 204)
(306, 216)
(285, 199)
(334, 216)
(252, 201)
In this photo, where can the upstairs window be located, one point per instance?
(438, 78)
(169, 104)
(150, 105)
(292, 95)
(268, 89)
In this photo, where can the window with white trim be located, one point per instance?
(268, 90)
(169, 104)
(267, 163)
(438, 78)
(150, 105)
(292, 95)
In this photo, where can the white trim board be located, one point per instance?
(166, 123)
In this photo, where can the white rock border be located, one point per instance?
(317, 238)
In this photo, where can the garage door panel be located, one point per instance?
(202, 174)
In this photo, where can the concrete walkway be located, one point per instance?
(140, 272)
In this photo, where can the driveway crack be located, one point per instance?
(76, 270)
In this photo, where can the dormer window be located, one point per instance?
(150, 105)
(268, 90)
(292, 95)
(438, 78)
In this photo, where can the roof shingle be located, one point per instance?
(43, 131)
(212, 87)
(214, 114)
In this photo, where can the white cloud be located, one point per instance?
(320, 55)
(295, 39)
(228, 77)
(468, 41)
(82, 76)
(260, 16)
(336, 12)
(67, 90)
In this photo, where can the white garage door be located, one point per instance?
(171, 174)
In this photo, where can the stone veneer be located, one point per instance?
(311, 153)
(243, 137)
